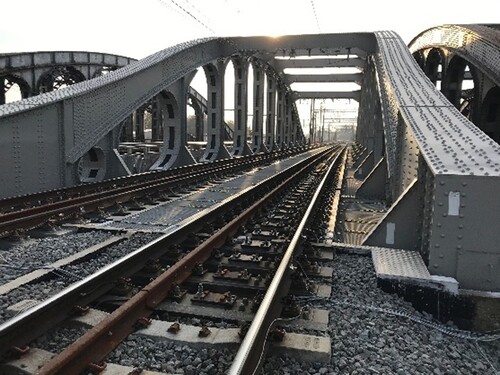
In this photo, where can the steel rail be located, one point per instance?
(38, 215)
(95, 345)
(20, 202)
(23, 328)
(248, 357)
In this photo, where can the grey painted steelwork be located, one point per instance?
(319, 63)
(433, 155)
(271, 112)
(477, 43)
(353, 77)
(174, 152)
(452, 55)
(257, 135)
(83, 117)
(240, 145)
(215, 106)
(280, 117)
(328, 95)
(442, 171)
(28, 69)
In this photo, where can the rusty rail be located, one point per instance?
(82, 197)
(95, 345)
(250, 352)
(22, 329)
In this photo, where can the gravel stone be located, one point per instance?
(169, 357)
(33, 253)
(57, 339)
(369, 342)
(73, 272)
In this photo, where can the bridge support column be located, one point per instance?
(271, 113)
(215, 107)
(240, 145)
(288, 121)
(139, 125)
(199, 125)
(258, 109)
(174, 152)
(156, 119)
(293, 125)
(280, 118)
(127, 129)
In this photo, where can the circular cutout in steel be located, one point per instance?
(92, 166)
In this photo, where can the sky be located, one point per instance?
(139, 28)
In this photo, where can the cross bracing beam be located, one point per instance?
(327, 95)
(352, 77)
(318, 63)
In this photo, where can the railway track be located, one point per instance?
(223, 266)
(24, 213)
(241, 284)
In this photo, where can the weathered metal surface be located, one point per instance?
(421, 134)
(248, 357)
(97, 343)
(402, 264)
(476, 43)
(76, 118)
(25, 327)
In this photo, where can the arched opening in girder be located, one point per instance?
(229, 103)
(460, 86)
(13, 89)
(144, 123)
(250, 103)
(419, 58)
(490, 114)
(92, 166)
(259, 102)
(58, 78)
(196, 113)
(103, 70)
(265, 104)
(433, 67)
(170, 118)
(146, 130)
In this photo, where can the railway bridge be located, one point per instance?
(262, 226)
(426, 150)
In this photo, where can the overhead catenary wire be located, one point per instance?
(315, 16)
(188, 13)
(204, 18)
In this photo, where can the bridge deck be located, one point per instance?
(166, 217)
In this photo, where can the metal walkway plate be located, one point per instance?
(399, 264)
(165, 217)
